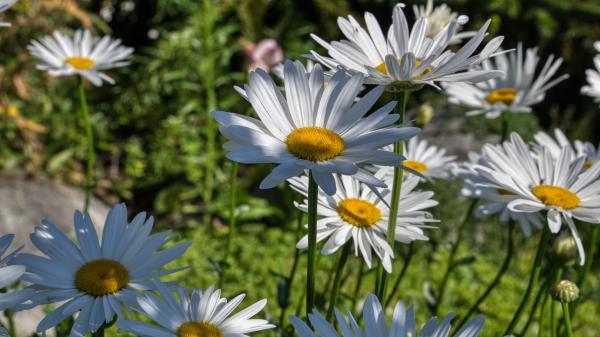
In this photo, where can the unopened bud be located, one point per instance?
(564, 250)
(425, 115)
(565, 291)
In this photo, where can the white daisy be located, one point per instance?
(428, 160)
(314, 127)
(83, 55)
(590, 152)
(593, 77)
(95, 279)
(439, 17)
(542, 183)
(582, 149)
(493, 200)
(357, 213)
(4, 5)
(407, 59)
(516, 91)
(9, 274)
(199, 314)
(403, 324)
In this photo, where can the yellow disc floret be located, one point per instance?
(556, 196)
(315, 143)
(80, 63)
(101, 277)
(588, 164)
(198, 329)
(504, 95)
(415, 165)
(358, 212)
(382, 68)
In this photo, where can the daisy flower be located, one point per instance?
(314, 127)
(95, 279)
(541, 183)
(403, 324)
(516, 91)
(199, 314)
(83, 55)
(407, 59)
(9, 274)
(586, 150)
(428, 160)
(493, 201)
(357, 213)
(592, 89)
(590, 152)
(4, 5)
(438, 18)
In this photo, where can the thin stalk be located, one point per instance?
(407, 260)
(536, 302)
(338, 280)
(543, 315)
(11, 322)
(505, 126)
(89, 137)
(313, 193)
(496, 281)
(402, 98)
(533, 279)
(232, 220)
(453, 251)
(553, 320)
(361, 275)
(567, 318)
(294, 267)
(591, 252)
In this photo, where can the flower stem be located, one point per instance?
(591, 252)
(505, 126)
(11, 322)
(407, 260)
(299, 223)
(536, 302)
(402, 98)
(543, 314)
(553, 321)
(338, 280)
(453, 251)
(89, 136)
(313, 193)
(533, 279)
(496, 281)
(232, 220)
(361, 275)
(567, 318)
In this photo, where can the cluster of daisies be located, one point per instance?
(320, 125)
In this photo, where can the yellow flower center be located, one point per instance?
(415, 165)
(556, 196)
(101, 277)
(359, 213)
(382, 68)
(588, 164)
(198, 329)
(315, 143)
(504, 95)
(80, 63)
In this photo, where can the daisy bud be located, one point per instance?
(424, 116)
(565, 291)
(564, 250)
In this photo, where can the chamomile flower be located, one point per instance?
(4, 5)
(97, 280)
(516, 91)
(493, 201)
(403, 324)
(590, 152)
(540, 183)
(439, 17)
(555, 144)
(357, 213)
(314, 127)
(592, 89)
(9, 274)
(407, 59)
(429, 160)
(83, 55)
(196, 314)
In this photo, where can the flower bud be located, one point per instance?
(565, 291)
(424, 115)
(564, 250)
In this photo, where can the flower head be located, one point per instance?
(516, 91)
(9, 274)
(429, 160)
(438, 18)
(357, 213)
(592, 89)
(407, 59)
(196, 314)
(265, 55)
(95, 279)
(83, 55)
(314, 127)
(4, 5)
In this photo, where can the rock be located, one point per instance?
(25, 202)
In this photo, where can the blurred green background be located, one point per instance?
(152, 136)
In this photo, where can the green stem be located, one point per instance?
(536, 302)
(543, 315)
(402, 98)
(361, 275)
(553, 321)
(313, 194)
(591, 252)
(232, 220)
(505, 126)
(294, 268)
(89, 136)
(407, 260)
(453, 251)
(533, 279)
(11, 322)
(496, 281)
(338, 280)
(567, 318)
